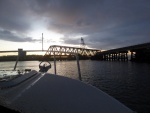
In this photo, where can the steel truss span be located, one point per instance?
(65, 50)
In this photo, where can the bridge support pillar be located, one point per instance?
(119, 56)
(132, 56)
(113, 56)
(126, 56)
(116, 56)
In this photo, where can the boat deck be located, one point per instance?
(48, 93)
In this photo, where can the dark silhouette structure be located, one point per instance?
(139, 53)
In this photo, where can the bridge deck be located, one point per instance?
(13, 51)
(129, 48)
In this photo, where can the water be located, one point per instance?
(128, 82)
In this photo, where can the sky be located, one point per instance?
(103, 24)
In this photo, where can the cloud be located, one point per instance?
(116, 23)
(9, 36)
(125, 35)
(104, 23)
(16, 21)
(14, 15)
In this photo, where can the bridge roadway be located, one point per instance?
(138, 52)
(132, 48)
(13, 51)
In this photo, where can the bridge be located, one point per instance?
(58, 50)
(140, 52)
(16, 51)
(66, 50)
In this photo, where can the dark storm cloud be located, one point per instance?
(13, 15)
(104, 23)
(14, 18)
(9, 36)
(121, 36)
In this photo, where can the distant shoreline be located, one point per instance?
(39, 58)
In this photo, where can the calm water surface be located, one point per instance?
(128, 82)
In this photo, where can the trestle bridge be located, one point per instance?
(140, 52)
(65, 50)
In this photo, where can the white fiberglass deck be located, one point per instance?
(49, 93)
